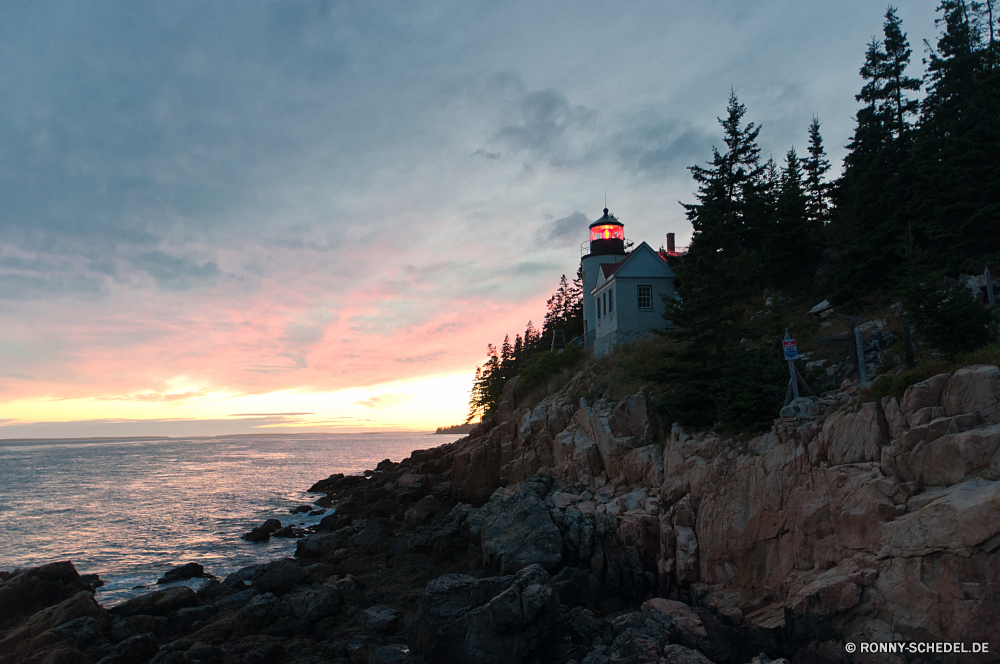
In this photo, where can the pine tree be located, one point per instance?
(795, 237)
(815, 167)
(729, 190)
(897, 57)
(733, 219)
(954, 204)
(872, 132)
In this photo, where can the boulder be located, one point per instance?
(25, 591)
(319, 545)
(517, 529)
(422, 510)
(492, 620)
(958, 519)
(138, 648)
(644, 466)
(974, 389)
(70, 623)
(380, 618)
(158, 603)
(263, 532)
(851, 437)
(279, 576)
(182, 572)
(255, 649)
(397, 653)
(925, 394)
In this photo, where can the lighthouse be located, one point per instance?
(607, 245)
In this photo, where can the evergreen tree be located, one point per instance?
(872, 133)
(733, 220)
(872, 198)
(897, 58)
(796, 239)
(954, 205)
(564, 310)
(815, 167)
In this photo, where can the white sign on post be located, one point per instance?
(791, 349)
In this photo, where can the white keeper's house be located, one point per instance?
(623, 290)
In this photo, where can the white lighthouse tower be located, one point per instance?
(607, 245)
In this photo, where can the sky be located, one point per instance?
(309, 215)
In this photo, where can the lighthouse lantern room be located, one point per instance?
(607, 245)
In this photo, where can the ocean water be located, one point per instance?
(130, 510)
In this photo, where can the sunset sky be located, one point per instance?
(233, 217)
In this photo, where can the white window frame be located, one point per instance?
(648, 296)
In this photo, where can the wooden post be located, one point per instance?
(908, 342)
(989, 288)
(862, 369)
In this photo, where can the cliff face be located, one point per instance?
(873, 521)
(570, 533)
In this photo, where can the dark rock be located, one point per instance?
(136, 649)
(124, 627)
(497, 619)
(68, 624)
(392, 654)
(237, 599)
(25, 591)
(182, 572)
(370, 534)
(422, 510)
(266, 614)
(158, 603)
(263, 532)
(516, 529)
(256, 649)
(301, 509)
(317, 512)
(285, 531)
(349, 586)
(314, 603)
(93, 580)
(324, 485)
(319, 545)
(380, 618)
(333, 522)
(205, 653)
(186, 618)
(279, 577)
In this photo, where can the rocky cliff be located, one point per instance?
(588, 532)
(851, 520)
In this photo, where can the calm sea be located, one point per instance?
(129, 510)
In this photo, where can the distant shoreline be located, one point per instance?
(117, 439)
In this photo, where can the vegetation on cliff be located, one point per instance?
(914, 207)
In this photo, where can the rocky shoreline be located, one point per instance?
(588, 532)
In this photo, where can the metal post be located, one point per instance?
(908, 342)
(989, 288)
(791, 371)
(862, 369)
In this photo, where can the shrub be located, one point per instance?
(949, 319)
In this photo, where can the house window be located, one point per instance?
(598, 308)
(611, 300)
(645, 297)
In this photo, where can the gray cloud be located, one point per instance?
(545, 120)
(182, 165)
(174, 272)
(662, 147)
(565, 232)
